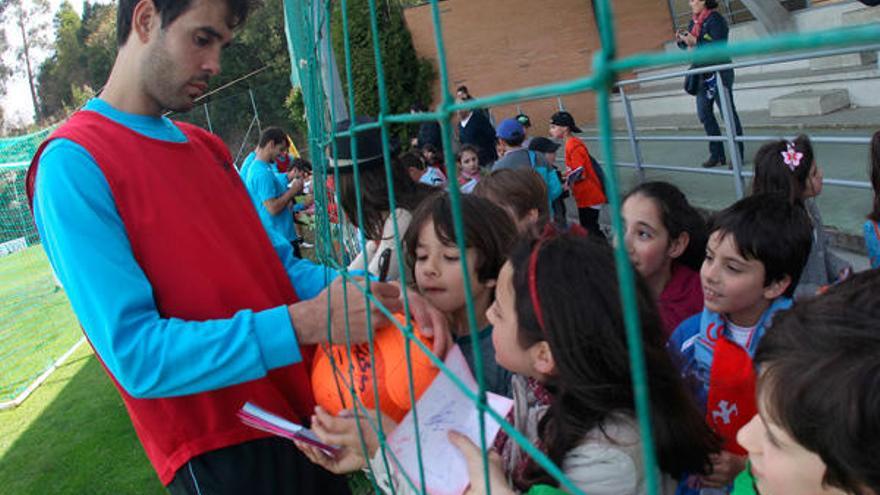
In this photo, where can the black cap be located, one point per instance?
(524, 120)
(543, 145)
(564, 119)
(369, 146)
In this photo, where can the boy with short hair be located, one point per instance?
(819, 396)
(587, 188)
(819, 367)
(756, 251)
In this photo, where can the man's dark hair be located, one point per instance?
(487, 228)
(770, 229)
(169, 10)
(272, 135)
(820, 379)
(711, 4)
(301, 164)
(463, 89)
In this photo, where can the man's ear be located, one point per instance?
(542, 358)
(144, 19)
(777, 288)
(678, 245)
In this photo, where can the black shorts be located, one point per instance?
(269, 466)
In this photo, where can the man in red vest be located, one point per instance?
(190, 306)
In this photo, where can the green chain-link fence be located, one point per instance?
(37, 325)
(306, 19)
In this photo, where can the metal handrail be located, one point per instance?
(729, 136)
(815, 139)
(749, 63)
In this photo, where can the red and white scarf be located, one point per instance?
(699, 19)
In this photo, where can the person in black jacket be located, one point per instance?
(708, 26)
(429, 132)
(475, 128)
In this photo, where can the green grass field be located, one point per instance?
(73, 436)
(36, 323)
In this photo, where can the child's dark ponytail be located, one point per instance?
(678, 216)
(773, 174)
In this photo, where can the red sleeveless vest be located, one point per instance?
(196, 235)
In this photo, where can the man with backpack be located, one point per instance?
(511, 135)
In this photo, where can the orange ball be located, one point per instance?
(331, 378)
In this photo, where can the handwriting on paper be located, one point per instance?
(442, 408)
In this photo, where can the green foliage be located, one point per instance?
(408, 79)
(83, 53)
(296, 108)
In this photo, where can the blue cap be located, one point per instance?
(510, 130)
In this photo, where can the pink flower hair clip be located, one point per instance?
(792, 157)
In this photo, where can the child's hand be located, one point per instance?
(347, 460)
(474, 458)
(342, 430)
(725, 467)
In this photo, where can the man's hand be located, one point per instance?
(474, 459)
(432, 323)
(310, 317)
(295, 186)
(725, 467)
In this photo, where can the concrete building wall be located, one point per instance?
(501, 45)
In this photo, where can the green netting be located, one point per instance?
(307, 19)
(36, 322)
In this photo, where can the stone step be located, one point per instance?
(866, 60)
(753, 93)
(860, 59)
(809, 102)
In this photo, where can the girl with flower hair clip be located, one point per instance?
(790, 167)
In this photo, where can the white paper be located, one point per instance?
(444, 407)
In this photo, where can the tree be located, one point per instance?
(408, 78)
(28, 17)
(83, 53)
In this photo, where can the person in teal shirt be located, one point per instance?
(271, 198)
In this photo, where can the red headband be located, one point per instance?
(550, 232)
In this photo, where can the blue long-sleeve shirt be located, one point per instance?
(150, 356)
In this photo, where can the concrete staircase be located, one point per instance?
(805, 87)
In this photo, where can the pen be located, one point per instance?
(384, 264)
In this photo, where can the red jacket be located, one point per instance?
(587, 192)
(205, 259)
